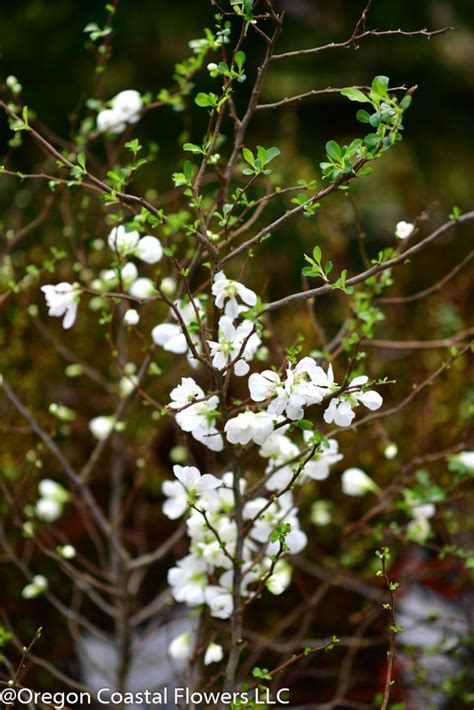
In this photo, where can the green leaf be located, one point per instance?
(380, 86)
(304, 424)
(405, 103)
(240, 59)
(248, 156)
(262, 154)
(206, 100)
(134, 145)
(193, 148)
(272, 153)
(354, 94)
(363, 116)
(81, 159)
(334, 150)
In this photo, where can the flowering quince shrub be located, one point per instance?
(186, 338)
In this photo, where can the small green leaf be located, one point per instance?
(380, 86)
(240, 59)
(334, 150)
(206, 100)
(248, 156)
(354, 94)
(193, 148)
(363, 116)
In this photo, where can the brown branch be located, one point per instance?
(312, 93)
(356, 38)
(377, 268)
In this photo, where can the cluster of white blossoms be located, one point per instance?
(125, 108)
(171, 336)
(51, 501)
(292, 454)
(37, 586)
(205, 575)
(306, 384)
(126, 242)
(197, 413)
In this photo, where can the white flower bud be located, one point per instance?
(101, 427)
(214, 654)
(391, 450)
(67, 551)
(403, 230)
(168, 286)
(37, 586)
(356, 482)
(48, 509)
(181, 648)
(142, 288)
(149, 250)
(131, 317)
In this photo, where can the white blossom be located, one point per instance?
(423, 510)
(53, 490)
(125, 108)
(226, 291)
(131, 317)
(48, 509)
(168, 285)
(62, 300)
(210, 437)
(181, 647)
(37, 586)
(197, 418)
(234, 342)
(190, 484)
(280, 579)
(340, 412)
(50, 504)
(108, 121)
(403, 230)
(128, 273)
(214, 654)
(128, 105)
(218, 597)
(123, 239)
(188, 580)
(149, 250)
(249, 426)
(390, 451)
(305, 384)
(142, 288)
(101, 427)
(466, 458)
(419, 530)
(356, 482)
(67, 551)
(170, 336)
(185, 393)
(321, 513)
(318, 467)
(340, 409)
(127, 384)
(370, 399)
(193, 481)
